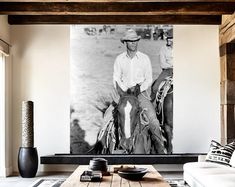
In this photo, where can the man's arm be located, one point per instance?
(117, 76)
(162, 56)
(148, 75)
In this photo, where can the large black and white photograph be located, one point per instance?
(121, 87)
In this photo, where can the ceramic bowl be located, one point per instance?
(132, 173)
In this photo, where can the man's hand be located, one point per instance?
(132, 89)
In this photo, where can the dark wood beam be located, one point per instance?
(117, 8)
(211, 1)
(108, 1)
(118, 19)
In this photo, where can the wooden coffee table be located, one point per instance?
(152, 178)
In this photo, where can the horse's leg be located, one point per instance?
(139, 145)
(168, 121)
(168, 129)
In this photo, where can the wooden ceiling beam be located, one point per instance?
(107, 1)
(118, 19)
(117, 8)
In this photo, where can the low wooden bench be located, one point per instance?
(151, 179)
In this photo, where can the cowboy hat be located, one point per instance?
(130, 35)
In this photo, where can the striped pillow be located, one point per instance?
(220, 154)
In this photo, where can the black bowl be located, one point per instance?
(132, 173)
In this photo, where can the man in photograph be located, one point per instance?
(133, 68)
(166, 63)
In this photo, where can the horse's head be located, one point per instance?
(128, 115)
(128, 109)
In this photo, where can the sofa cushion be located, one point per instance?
(201, 174)
(232, 160)
(220, 154)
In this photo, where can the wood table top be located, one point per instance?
(150, 179)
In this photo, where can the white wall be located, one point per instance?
(7, 167)
(41, 74)
(196, 87)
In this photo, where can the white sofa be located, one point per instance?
(208, 174)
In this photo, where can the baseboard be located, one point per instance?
(56, 168)
(2, 173)
(5, 172)
(9, 171)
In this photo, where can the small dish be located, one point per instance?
(132, 173)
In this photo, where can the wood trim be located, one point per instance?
(223, 123)
(227, 48)
(2, 116)
(226, 34)
(116, 8)
(111, 19)
(229, 23)
(222, 50)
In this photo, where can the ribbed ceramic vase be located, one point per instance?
(27, 156)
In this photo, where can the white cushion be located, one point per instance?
(209, 174)
(232, 160)
(222, 180)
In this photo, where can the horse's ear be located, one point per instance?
(119, 90)
(137, 90)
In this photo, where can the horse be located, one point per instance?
(163, 94)
(127, 133)
(134, 136)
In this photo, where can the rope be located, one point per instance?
(163, 89)
(143, 117)
(146, 97)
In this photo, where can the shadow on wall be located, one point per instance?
(78, 145)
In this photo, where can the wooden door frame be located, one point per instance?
(227, 79)
(2, 118)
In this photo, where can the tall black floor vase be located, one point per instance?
(28, 162)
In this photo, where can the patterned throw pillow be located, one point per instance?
(220, 154)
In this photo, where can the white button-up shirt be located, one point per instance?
(131, 71)
(166, 58)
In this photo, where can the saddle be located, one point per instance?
(107, 134)
(162, 91)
